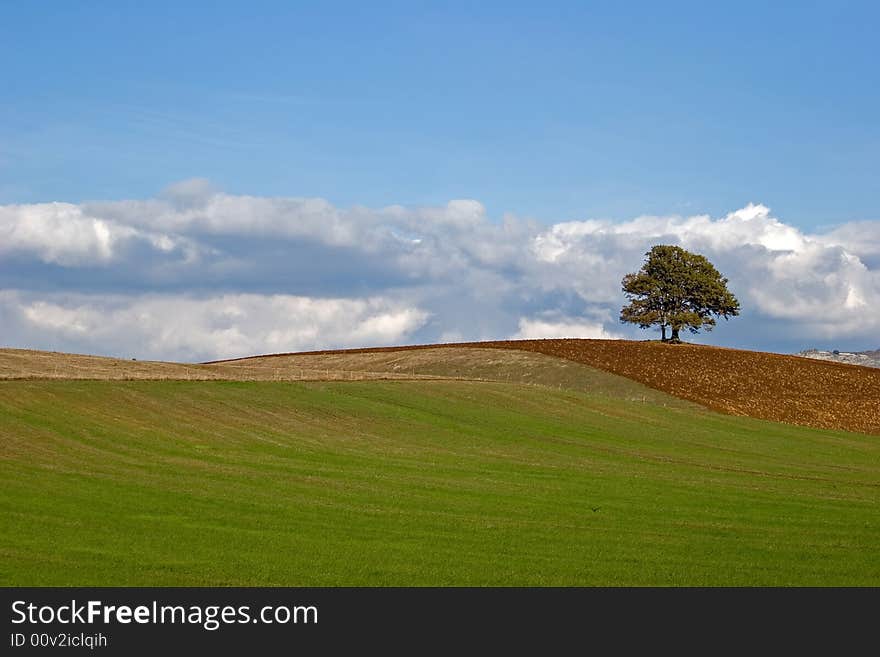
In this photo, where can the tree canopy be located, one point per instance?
(676, 289)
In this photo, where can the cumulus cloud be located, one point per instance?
(419, 274)
(861, 238)
(59, 233)
(534, 329)
(65, 234)
(188, 328)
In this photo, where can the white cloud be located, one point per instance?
(535, 329)
(59, 233)
(752, 225)
(861, 238)
(186, 328)
(64, 234)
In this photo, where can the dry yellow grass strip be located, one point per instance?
(439, 363)
(32, 364)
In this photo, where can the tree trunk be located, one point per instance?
(675, 335)
(663, 332)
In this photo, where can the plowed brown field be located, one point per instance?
(763, 385)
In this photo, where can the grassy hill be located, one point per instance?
(531, 472)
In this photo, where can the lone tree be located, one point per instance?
(676, 289)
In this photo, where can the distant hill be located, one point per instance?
(865, 358)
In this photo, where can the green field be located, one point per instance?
(420, 483)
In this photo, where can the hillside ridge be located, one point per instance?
(777, 387)
(863, 358)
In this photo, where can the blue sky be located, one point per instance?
(206, 180)
(549, 110)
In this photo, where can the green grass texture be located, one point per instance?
(424, 483)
